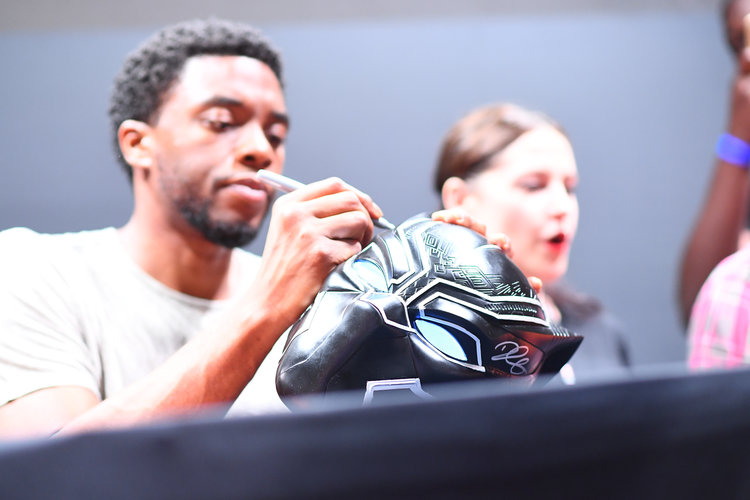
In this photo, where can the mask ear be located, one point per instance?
(454, 192)
(136, 144)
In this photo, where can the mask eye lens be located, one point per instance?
(371, 274)
(441, 338)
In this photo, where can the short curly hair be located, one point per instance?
(151, 70)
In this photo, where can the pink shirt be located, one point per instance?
(720, 318)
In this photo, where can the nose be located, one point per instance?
(253, 148)
(561, 201)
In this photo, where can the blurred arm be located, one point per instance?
(722, 218)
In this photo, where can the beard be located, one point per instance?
(229, 234)
(195, 209)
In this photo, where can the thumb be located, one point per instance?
(535, 283)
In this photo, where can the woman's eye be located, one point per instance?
(531, 183)
(532, 186)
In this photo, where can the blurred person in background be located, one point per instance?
(514, 171)
(721, 225)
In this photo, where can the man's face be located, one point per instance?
(224, 119)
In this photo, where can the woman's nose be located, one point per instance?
(561, 200)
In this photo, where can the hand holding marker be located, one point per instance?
(287, 185)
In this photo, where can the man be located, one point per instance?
(165, 314)
(720, 223)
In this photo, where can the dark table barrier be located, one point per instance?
(665, 436)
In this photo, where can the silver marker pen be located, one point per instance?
(286, 184)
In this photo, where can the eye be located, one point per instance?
(441, 338)
(217, 119)
(532, 186)
(532, 183)
(218, 126)
(371, 274)
(274, 140)
(276, 135)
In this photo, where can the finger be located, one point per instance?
(459, 217)
(347, 204)
(321, 215)
(335, 185)
(449, 215)
(352, 226)
(536, 284)
(335, 203)
(503, 241)
(339, 250)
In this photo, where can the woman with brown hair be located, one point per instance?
(514, 170)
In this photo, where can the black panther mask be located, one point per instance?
(425, 303)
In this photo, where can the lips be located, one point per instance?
(557, 239)
(247, 181)
(558, 243)
(248, 188)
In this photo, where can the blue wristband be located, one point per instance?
(733, 150)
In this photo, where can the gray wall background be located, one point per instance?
(640, 86)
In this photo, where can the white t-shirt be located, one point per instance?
(76, 310)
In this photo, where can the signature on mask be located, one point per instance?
(516, 356)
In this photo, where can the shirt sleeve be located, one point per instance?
(41, 344)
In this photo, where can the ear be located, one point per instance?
(454, 192)
(136, 144)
